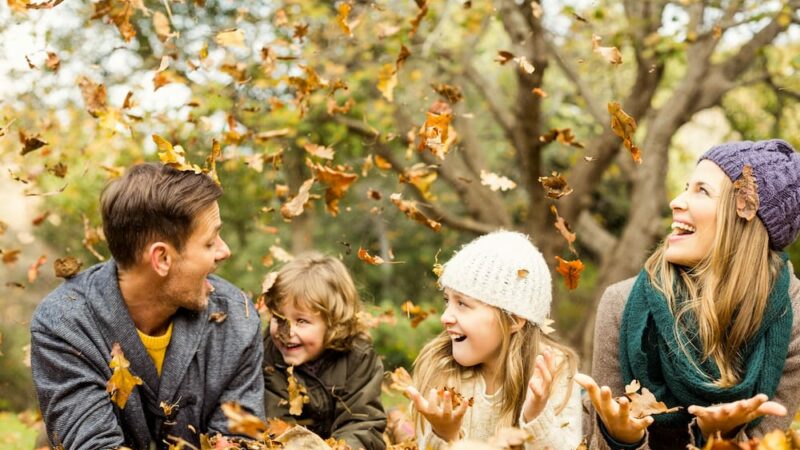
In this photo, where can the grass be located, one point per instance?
(16, 435)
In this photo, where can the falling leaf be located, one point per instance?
(119, 13)
(373, 194)
(496, 182)
(369, 259)
(334, 108)
(242, 422)
(319, 151)
(746, 191)
(10, 256)
(271, 134)
(610, 54)
(414, 312)
(91, 236)
(53, 62)
(716, 32)
(210, 167)
(539, 92)
(624, 126)
(122, 381)
(423, 10)
(437, 268)
(338, 182)
(571, 271)
(434, 132)
(410, 210)
(451, 93)
(217, 317)
(33, 270)
(94, 95)
(30, 143)
(387, 81)
(402, 57)
(562, 135)
(161, 79)
(67, 267)
(419, 175)
(344, 11)
(161, 25)
(645, 404)
(297, 393)
(174, 156)
(504, 57)
(230, 38)
(295, 207)
(370, 321)
(300, 31)
(555, 186)
(563, 227)
(382, 163)
(546, 326)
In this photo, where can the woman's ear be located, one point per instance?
(519, 322)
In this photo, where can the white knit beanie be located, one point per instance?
(502, 269)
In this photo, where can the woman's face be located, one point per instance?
(694, 216)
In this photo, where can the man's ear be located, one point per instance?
(519, 322)
(159, 257)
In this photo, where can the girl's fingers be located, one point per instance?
(420, 403)
(447, 404)
(433, 400)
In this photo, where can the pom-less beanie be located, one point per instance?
(502, 269)
(776, 168)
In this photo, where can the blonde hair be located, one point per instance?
(436, 368)
(724, 296)
(322, 284)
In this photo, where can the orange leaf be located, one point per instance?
(319, 151)
(122, 381)
(369, 259)
(341, 18)
(295, 206)
(434, 132)
(33, 270)
(337, 181)
(414, 312)
(94, 95)
(297, 394)
(10, 256)
(119, 13)
(624, 126)
(410, 210)
(746, 189)
(174, 156)
(423, 9)
(563, 227)
(241, 421)
(555, 186)
(571, 271)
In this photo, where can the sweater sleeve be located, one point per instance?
(360, 419)
(557, 431)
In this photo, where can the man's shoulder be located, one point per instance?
(232, 301)
(68, 302)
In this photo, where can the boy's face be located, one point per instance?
(299, 334)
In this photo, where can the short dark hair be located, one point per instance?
(153, 202)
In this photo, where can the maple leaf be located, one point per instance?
(174, 156)
(33, 270)
(571, 271)
(122, 381)
(241, 421)
(496, 182)
(338, 182)
(297, 393)
(611, 54)
(94, 95)
(233, 37)
(295, 207)
(30, 143)
(555, 186)
(746, 191)
(624, 126)
(563, 227)
(67, 267)
(410, 210)
(344, 11)
(319, 151)
(369, 259)
(300, 31)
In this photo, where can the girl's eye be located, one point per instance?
(704, 190)
(303, 321)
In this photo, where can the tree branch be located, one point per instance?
(594, 237)
(492, 97)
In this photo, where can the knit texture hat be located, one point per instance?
(776, 168)
(502, 269)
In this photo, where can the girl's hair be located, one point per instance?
(723, 298)
(322, 284)
(435, 367)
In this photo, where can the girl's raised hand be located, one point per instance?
(445, 421)
(539, 386)
(726, 417)
(615, 413)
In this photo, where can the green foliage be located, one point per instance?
(16, 435)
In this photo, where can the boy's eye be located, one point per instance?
(302, 321)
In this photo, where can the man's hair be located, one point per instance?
(153, 202)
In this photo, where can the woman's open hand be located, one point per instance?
(615, 413)
(726, 417)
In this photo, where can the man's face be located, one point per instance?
(187, 284)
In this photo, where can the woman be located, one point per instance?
(712, 322)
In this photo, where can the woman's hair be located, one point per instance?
(322, 284)
(722, 299)
(436, 368)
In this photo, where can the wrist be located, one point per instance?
(447, 436)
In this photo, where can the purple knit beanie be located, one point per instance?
(776, 167)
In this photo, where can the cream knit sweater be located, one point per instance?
(561, 431)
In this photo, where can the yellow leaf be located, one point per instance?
(341, 19)
(230, 38)
(387, 81)
(122, 381)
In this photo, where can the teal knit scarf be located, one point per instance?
(649, 352)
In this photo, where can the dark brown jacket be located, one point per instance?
(344, 393)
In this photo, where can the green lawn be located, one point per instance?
(16, 435)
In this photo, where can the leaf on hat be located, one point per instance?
(746, 191)
(522, 273)
(571, 271)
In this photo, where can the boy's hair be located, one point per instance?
(322, 284)
(153, 202)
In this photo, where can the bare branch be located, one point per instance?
(593, 236)
(493, 98)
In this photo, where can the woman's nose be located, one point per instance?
(678, 202)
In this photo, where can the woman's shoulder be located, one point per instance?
(615, 295)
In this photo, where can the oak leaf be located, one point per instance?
(435, 132)
(571, 271)
(746, 191)
(122, 381)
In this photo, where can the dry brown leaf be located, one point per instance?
(334, 108)
(645, 404)
(119, 13)
(455, 397)
(338, 182)
(435, 132)
(555, 186)
(624, 126)
(414, 312)
(241, 421)
(300, 31)
(420, 175)
(210, 167)
(30, 143)
(387, 81)
(402, 57)
(504, 57)
(53, 62)
(122, 381)
(571, 271)
(610, 54)
(297, 393)
(399, 380)
(233, 37)
(320, 151)
(746, 191)
(161, 79)
(10, 256)
(562, 135)
(410, 210)
(423, 10)
(369, 259)
(33, 270)
(94, 96)
(563, 227)
(496, 182)
(295, 207)
(67, 267)
(451, 93)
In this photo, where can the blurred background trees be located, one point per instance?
(527, 85)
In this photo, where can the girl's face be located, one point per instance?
(473, 327)
(306, 335)
(694, 216)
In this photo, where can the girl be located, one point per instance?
(711, 322)
(497, 296)
(316, 337)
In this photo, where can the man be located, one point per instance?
(190, 336)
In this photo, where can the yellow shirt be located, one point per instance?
(156, 346)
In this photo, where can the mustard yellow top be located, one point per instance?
(156, 346)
